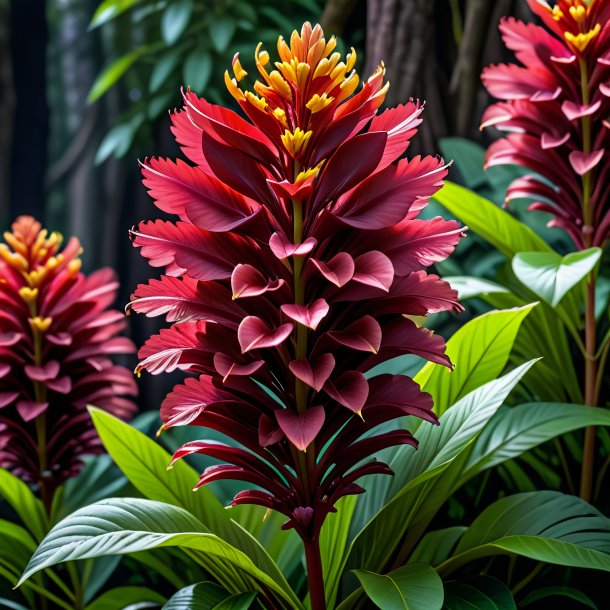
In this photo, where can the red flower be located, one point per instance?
(56, 338)
(291, 272)
(556, 106)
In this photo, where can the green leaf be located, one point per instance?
(514, 430)
(550, 275)
(28, 507)
(480, 593)
(221, 32)
(198, 69)
(121, 526)
(333, 545)
(123, 596)
(163, 69)
(109, 10)
(119, 139)
(202, 596)
(489, 221)
(113, 72)
(236, 602)
(546, 526)
(10, 605)
(412, 587)
(569, 592)
(424, 479)
(144, 462)
(437, 545)
(175, 20)
(469, 158)
(469, 287)
(479, 351)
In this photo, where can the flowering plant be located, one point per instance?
(290, 274)
(55, 346)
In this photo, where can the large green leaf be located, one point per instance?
(557, 591)
(144, 462)
(333, 545)
(426, 478)
(489, 221)
(547, 526)
(437, 545)
(514, 430)
(413, 587)
(469, 287)
(202, 596)
(480, 593)
(123, 596)
(208, 596)
(550, 275)
(128, 525)
(28, 507)
(479, 351)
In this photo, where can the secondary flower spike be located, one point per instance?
(292, 269)
(556, 107)
(56, 338)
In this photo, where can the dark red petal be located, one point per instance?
(253, 333)
(307, 315)
(246, 281)
(351, 390)
(301, 428)
(338, 270)
(363, 334)
(316, 373)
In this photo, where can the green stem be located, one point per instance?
(76, 584)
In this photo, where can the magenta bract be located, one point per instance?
(294, 267)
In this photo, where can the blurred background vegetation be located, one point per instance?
(85, 86)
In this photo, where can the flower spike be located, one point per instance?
(295, 257)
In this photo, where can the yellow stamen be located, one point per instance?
(74, 266)
(280, 115)
(578, 12)
(313, 171)
(29, 295)
(319, 102)
(40, 324)
(13, 259)
(556, 13)
(239, 72)
(15, 243)
(581, 41)
(233, 89)
(259, 102)
(296, 142)
(279, 85)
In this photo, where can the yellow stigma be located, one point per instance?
(40, 324)
(319, 102)
(296, 142)
(13, 259)
(581, 41)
